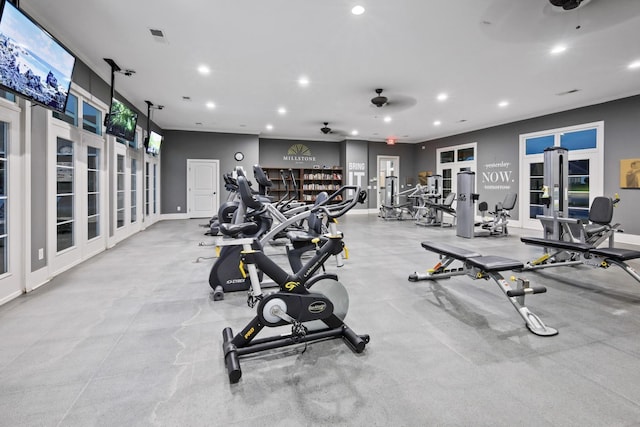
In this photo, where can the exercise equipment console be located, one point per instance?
(477, 266)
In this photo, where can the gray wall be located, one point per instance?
(356, 164)
(178, 146)
(621, 134)
(38, 191)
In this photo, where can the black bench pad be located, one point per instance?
(617, 254)
(437, 206)
(494, 263)
(450, 251)
(557, 244)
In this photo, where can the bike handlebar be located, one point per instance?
(339, 209)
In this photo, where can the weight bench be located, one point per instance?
(573, 253)
(477, 266)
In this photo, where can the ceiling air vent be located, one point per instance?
(568, 92)
(157, 35)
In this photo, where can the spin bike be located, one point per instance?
(313, 304)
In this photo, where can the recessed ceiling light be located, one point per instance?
(211, 105)
(354, 132)
(204, 70)
(503, 104)
(303, 81)
(269, 127)
(634, 64)
(282, 111)
(443, 97)
(199, 123)
(357, 10)
(558, 49)
(387, 119)
(437, 123)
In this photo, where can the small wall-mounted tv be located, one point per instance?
(33, 64)
(121, 121)
(153, 143)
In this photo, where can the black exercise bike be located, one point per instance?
(315, 305)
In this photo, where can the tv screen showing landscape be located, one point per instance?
(121, 121)
(153, 146)
(32, 63)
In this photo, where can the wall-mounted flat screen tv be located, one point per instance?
(32, 63)
(153, 144)
(121, 121)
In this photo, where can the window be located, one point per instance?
(538, 144)
(146, 189)
(579, 140)
(93, 192)
(71, 111)
(452, 160)
(133, 190)
(4, 182)
(120, 176)
(134, 144)
(447, 156)
(65, 194)
(155, 178)
(7, 95)
(579, 188)
(91, 118)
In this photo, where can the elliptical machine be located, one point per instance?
(225, 276)
(227, 209)
(314, 305)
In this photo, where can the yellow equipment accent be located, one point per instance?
(243, 273)
(545, 192)
(542, 259)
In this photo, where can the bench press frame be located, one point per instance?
(477, 266)
(580, 254)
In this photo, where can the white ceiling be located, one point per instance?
(478, 51)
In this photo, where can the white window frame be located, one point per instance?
(12, 282)
(82, 249)
(456, 165)
(594, 155)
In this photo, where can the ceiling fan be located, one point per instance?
(328, 131)
(399, 102)
(566, 4)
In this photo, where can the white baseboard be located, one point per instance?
(174, 216)
(361, 211)
(630, 239)
(37, 278)
(11, 296)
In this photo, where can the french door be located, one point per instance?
(585, 144)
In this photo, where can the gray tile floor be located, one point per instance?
(132, 338)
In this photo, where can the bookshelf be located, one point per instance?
(310, 181)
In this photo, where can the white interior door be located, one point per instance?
(202, 188)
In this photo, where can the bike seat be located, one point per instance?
(234, 230)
